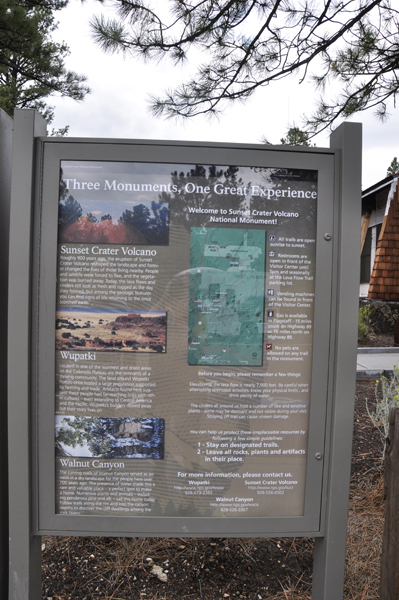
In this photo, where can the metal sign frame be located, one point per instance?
(32, 314)
(6, 125)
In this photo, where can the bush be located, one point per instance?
(364, 323)
(390, 399)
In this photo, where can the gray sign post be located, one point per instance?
(5, 194)
(24, 549)
(328, 566)
(185, 364)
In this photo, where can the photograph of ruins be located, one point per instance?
(110, 330)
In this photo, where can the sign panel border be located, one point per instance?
(46, 215)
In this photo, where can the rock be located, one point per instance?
(158, 572)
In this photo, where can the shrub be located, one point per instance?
(390, 399)
(364, 323)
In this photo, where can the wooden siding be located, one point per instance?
(384, 281)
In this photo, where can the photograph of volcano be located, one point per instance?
(112, 330)
(116, 222)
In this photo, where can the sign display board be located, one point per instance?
(181, 377)
(182, 368)
(182, 342)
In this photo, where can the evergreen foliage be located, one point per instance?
(91, 218)
(201, 198)
(296, 137)
(153, 228)
(247, 44)
(70, 211)
(32, 66)
(393, 167)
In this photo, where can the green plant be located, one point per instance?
(386, 397)
(364, 323)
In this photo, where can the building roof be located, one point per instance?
(370, 194)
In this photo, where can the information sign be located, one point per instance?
(182, 342)
(184, 337)
(183, 309)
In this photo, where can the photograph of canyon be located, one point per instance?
(111, 330)
(106, 437)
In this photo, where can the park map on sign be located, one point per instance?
(226, 305)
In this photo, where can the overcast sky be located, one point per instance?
(118, 104)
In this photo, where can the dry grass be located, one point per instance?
(292, 595)
(363, 548)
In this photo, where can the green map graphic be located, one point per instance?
(227, 286)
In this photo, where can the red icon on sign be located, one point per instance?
(269, 346)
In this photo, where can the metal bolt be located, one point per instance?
(327, 236)
(318, 456)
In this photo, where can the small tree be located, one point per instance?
(296, 137)
(393, 167)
